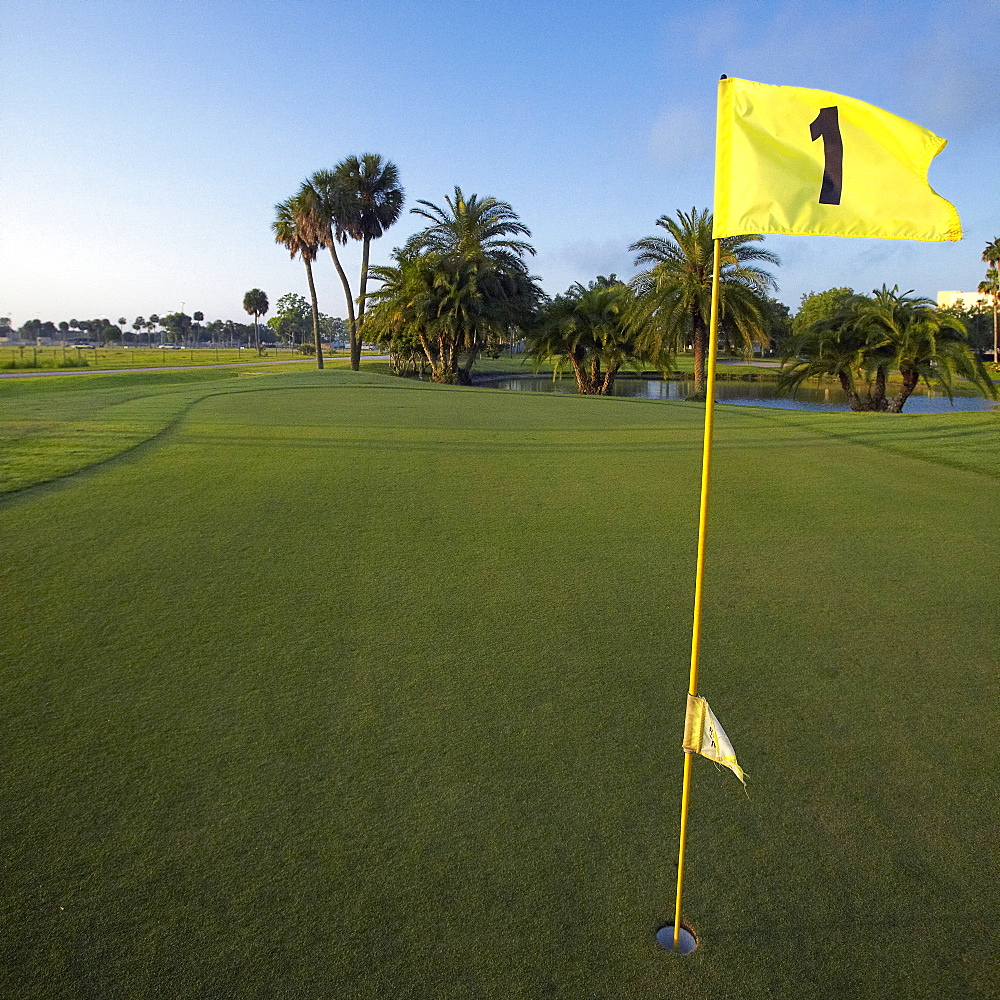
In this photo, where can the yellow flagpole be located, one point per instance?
(706, 465)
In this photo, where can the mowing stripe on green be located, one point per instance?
(350, 687)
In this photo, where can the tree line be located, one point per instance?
(291, 324)
(864, 341)
(461, 287)
(664, 310)
(173, 328)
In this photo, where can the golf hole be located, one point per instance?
(688, 942)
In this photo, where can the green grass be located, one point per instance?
(343, 686)
(55, 358)
(55, 426)
(963, 440)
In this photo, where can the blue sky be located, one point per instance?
(145, 144)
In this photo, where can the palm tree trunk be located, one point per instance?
(849, 391)
(609, 379)
(429, 352)
(465, 372)
(698, 341)
(879, 404)
(581, 375)
(364, 282)
(351, 322)
(584, 380)
(455, 347)
(449, 361)
(256, 336)
(910, 379)
(996, 343)
(439, 356)
(315, 314)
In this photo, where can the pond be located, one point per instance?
(828, 398)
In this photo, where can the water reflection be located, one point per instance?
(829, 398)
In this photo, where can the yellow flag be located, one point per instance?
(703, 734)
(810, 162)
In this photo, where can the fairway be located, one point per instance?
(49, 359)
(338, 685)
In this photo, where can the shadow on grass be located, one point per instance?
(972, 446)
(129, 452)
(947, 446)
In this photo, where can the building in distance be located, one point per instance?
(963, 300)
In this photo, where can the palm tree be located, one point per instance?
(295, 229)
(482, 233)
(473, 228)
(591, 330)
(990, 287)
(929, 347)
(449, 303)
(830, 348)
(675, 294)
(152, 323)
(374, 187)
(197, 318)
(334, 212)
(991, 256)
(420, 295)
(458, 285)
(255, 303)
(872, 336)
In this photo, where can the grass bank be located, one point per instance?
(348, 686)
(70, 358)
(53, 427)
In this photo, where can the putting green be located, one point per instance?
(340, 686)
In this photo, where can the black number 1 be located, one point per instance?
(827, 124)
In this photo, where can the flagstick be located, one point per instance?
(706, 463)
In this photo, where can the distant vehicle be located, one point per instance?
(83, 347)
(170, 347)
